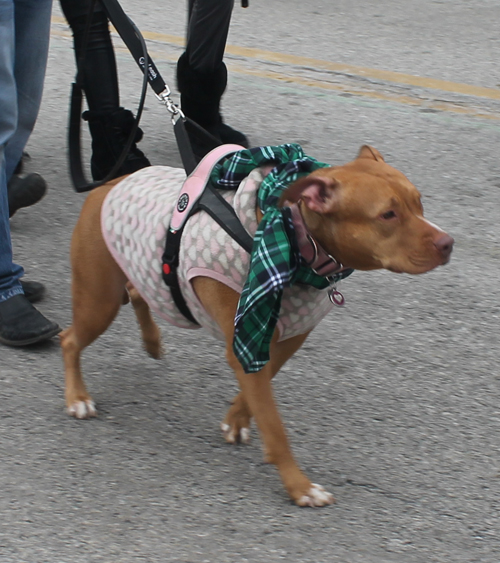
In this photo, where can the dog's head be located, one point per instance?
(368, 215)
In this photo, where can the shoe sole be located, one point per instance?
(33, 340)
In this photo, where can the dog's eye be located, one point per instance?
(388, 215)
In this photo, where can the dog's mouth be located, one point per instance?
(417, 266)
(445, 260)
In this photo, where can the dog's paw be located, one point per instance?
(316, 496)
(82, 409)
(235, 435)
(154, 349)
(236, 425)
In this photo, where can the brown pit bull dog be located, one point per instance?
(365, 214)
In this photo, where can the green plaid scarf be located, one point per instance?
(275, 262)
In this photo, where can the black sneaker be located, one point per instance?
(21, 324)
(24, 191)
(33, 291)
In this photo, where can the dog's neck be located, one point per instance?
(315, 256)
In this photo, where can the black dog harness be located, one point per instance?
(198, 195)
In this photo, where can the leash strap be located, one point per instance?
(133, 39)
(184, 144)
(210, 200)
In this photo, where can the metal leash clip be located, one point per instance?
(166, 100)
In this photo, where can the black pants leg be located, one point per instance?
(100, 79)
(208, 27)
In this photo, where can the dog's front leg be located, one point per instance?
(257, 393)
(256, 398)
(236, 424)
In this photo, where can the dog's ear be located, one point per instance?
(317, 192)
(370, 152)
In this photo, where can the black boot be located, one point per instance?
(26, 190)
(200, 101)
(21, 324)
(110, 132)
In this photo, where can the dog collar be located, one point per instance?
(311, 251)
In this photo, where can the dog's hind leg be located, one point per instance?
(98, 289)
(151, 336)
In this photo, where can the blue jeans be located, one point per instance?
(24, 43)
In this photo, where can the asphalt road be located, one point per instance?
(392, 404)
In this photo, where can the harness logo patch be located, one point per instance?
(182, 203)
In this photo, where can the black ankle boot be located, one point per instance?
(110, 131)
(201, 94)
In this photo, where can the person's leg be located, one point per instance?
(100, 76)
(201, 73)
(109, 123)
(20, 322)
(32, 33)
(9, 272)
(208, 27)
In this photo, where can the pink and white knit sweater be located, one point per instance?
(134, 220)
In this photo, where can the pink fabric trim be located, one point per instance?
(205, 272)
(195, 182)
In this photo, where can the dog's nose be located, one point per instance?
(444, 244)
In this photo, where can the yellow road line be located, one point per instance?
(294, 60)
(372, 94)
(386, 75)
